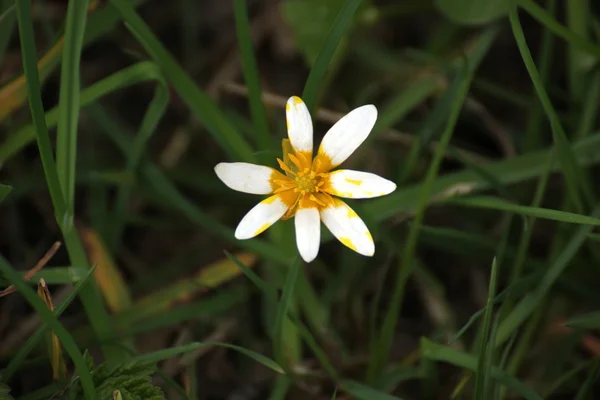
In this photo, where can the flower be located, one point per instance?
(307, 189)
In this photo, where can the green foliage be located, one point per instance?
(473, 12)
(5, 392)
(132, 379)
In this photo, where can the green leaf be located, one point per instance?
(5, 392)
(132, 379)
(316, 78)
(473, 12)
(434, 351)
(175, 351)
(53, 323)
(364, 392)
(545, 213)
(586, 321)
(282, 310)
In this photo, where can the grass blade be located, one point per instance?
(68, 106)
(7, 24)
(316, 77)
(53, 323)
(586, 321)
(484, 363)
(282, 310)
(585, 392)
(382, 346)
(135, 74)
(573, 174)
(251, 75)
(28, 52)
(547, 20)
(510, 171)
(363, 392)
(18, 359)
(538, 212)
(455, 357)
(175, 351)
(90, 298)
(527, 306)
(202, 106)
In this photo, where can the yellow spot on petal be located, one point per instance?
(297, 100)
(288, 107)
(270, 200)
(347, 242)
(369, 193)
(369, 235)
(262, 229)
(352, 213)
(356, 182)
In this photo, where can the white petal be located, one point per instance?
(308, 232)
(358, 185)
(299, 125)
(247, 178)
(262, 216)
(348, 133)
(348, 228)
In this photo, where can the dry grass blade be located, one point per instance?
(40, 264)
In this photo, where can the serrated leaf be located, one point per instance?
(473, 12)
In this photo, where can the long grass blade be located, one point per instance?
(494, 203)
(251, 75)
(455, 357)
(175, 351)
(19, 358)
(484, 363)
(382, 347)
(53, 323)
(316, 77)
(282, 310)
(574, 176)
(68, 106)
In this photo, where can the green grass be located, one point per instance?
(483, 283)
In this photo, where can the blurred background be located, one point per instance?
(464, 130)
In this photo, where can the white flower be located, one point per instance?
(306, 190)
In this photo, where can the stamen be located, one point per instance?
(319, 202)
(295, 160)
(285, 168)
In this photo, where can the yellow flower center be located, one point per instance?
(308, 181)
(305, 184)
